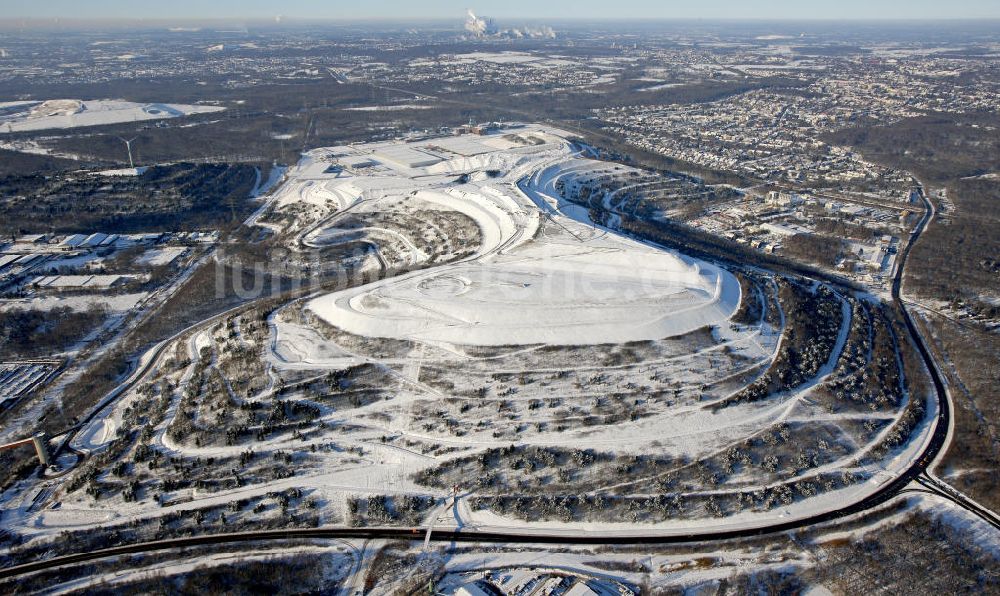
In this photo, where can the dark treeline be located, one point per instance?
(177, 197)
(813, 248)
(42, 333)
(17, 163)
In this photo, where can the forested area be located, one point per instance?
(958, 257)
(921, 546)
(813, 248)
(41, 333)
(177, 197)
(956, 261)
(17, 163)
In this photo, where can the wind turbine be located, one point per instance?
(128, 147)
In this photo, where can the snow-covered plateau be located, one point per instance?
(73, 113)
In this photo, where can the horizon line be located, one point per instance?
(278, 19)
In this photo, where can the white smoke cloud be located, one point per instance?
(486, 27)
(535, 32)
(478, 26)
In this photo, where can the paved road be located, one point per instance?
(948, 492)
(916, 472)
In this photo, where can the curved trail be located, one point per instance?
(917, 471)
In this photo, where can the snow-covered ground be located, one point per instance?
(72, 113)
(584, 287)
(113, 302)
(162, 256)
(556, 295)
(542, 321)
(389, 108)
(124, 172)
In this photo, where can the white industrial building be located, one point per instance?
(81, 282)
(406, 156)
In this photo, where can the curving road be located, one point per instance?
(917, 472)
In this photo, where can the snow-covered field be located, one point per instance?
(578, 286)
(124, 172)
(72, 113)
(581, 287)
(602, 294)
(389, 108)
(113, 302)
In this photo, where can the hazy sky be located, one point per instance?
(509, 9)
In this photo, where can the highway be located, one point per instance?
(917, 472)
(942, 431)
(946, 491)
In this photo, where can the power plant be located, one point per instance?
(485, 27)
